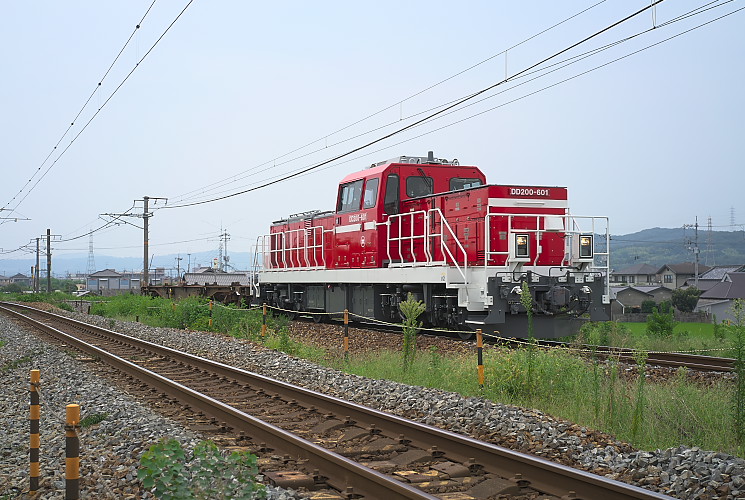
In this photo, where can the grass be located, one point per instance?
(694, 330)
(698, 338)
(563, 385)
(94, 419)
(674, 413)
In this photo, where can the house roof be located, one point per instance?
(106, 273)
(718, 272)
(615, 290)
(650, 289)
(732, 286)
(684, 268)
(637, 269)
(19, 276)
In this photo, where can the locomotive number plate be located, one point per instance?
(520, 191)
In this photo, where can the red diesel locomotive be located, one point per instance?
(434, 228)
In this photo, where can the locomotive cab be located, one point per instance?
(371, 200)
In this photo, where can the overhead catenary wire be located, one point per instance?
(272, 162)
(333, 161)
(137, 65)
(338, 163)
(431, 115)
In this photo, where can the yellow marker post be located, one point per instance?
(480, 351)
(263, 324)
(72, 452)
(35, 415)
(346, 335)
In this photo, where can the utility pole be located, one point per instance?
(145, 245)
(49, 261)
(36, 277)
(188, 266)
(145, 215)
(178, 266)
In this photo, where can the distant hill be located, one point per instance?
(660, 246)
(656, 246)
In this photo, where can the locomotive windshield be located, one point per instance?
(350, 196)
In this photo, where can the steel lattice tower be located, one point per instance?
(91, 259)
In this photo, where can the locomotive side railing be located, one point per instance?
(444, 248)
(292, 250)
(420, 238)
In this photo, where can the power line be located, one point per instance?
(283, 177)
(272, 162)
(97, 111)
(432, 115)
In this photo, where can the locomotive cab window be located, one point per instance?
(371, 193)
(350, 196)
(463, 183)
(419, 186)
(390, 204)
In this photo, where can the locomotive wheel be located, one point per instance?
(465, 335)
(317, 318)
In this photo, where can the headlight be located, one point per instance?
(585, 246)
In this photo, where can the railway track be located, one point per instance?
(669, 359)
(696, 362)
(320, 443)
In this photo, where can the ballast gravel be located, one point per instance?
(679, 472)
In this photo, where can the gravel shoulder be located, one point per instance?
(110, 461)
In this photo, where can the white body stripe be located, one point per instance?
(527, 203)
(351, 228)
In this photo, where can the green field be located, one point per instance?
(695, 330)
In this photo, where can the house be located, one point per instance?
(674, 276)
(638, 274)
(4, 280)
(109, 282)
(718, 300)
(713, 276)
(20, 279)
(628, 299)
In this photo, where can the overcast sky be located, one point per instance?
(239, 93)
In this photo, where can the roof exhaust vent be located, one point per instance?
(430, 157)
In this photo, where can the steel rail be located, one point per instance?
(544, 476)
(341, 471)
(672, 359)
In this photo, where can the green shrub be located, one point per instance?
(411, 309)
(660, 324)
(648, 306)
(207, 473)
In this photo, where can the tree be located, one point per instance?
(648, 306)
(685, 299)
(14, 288)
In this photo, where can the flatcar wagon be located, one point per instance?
(435, 229)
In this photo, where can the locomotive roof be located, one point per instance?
(379, 168)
